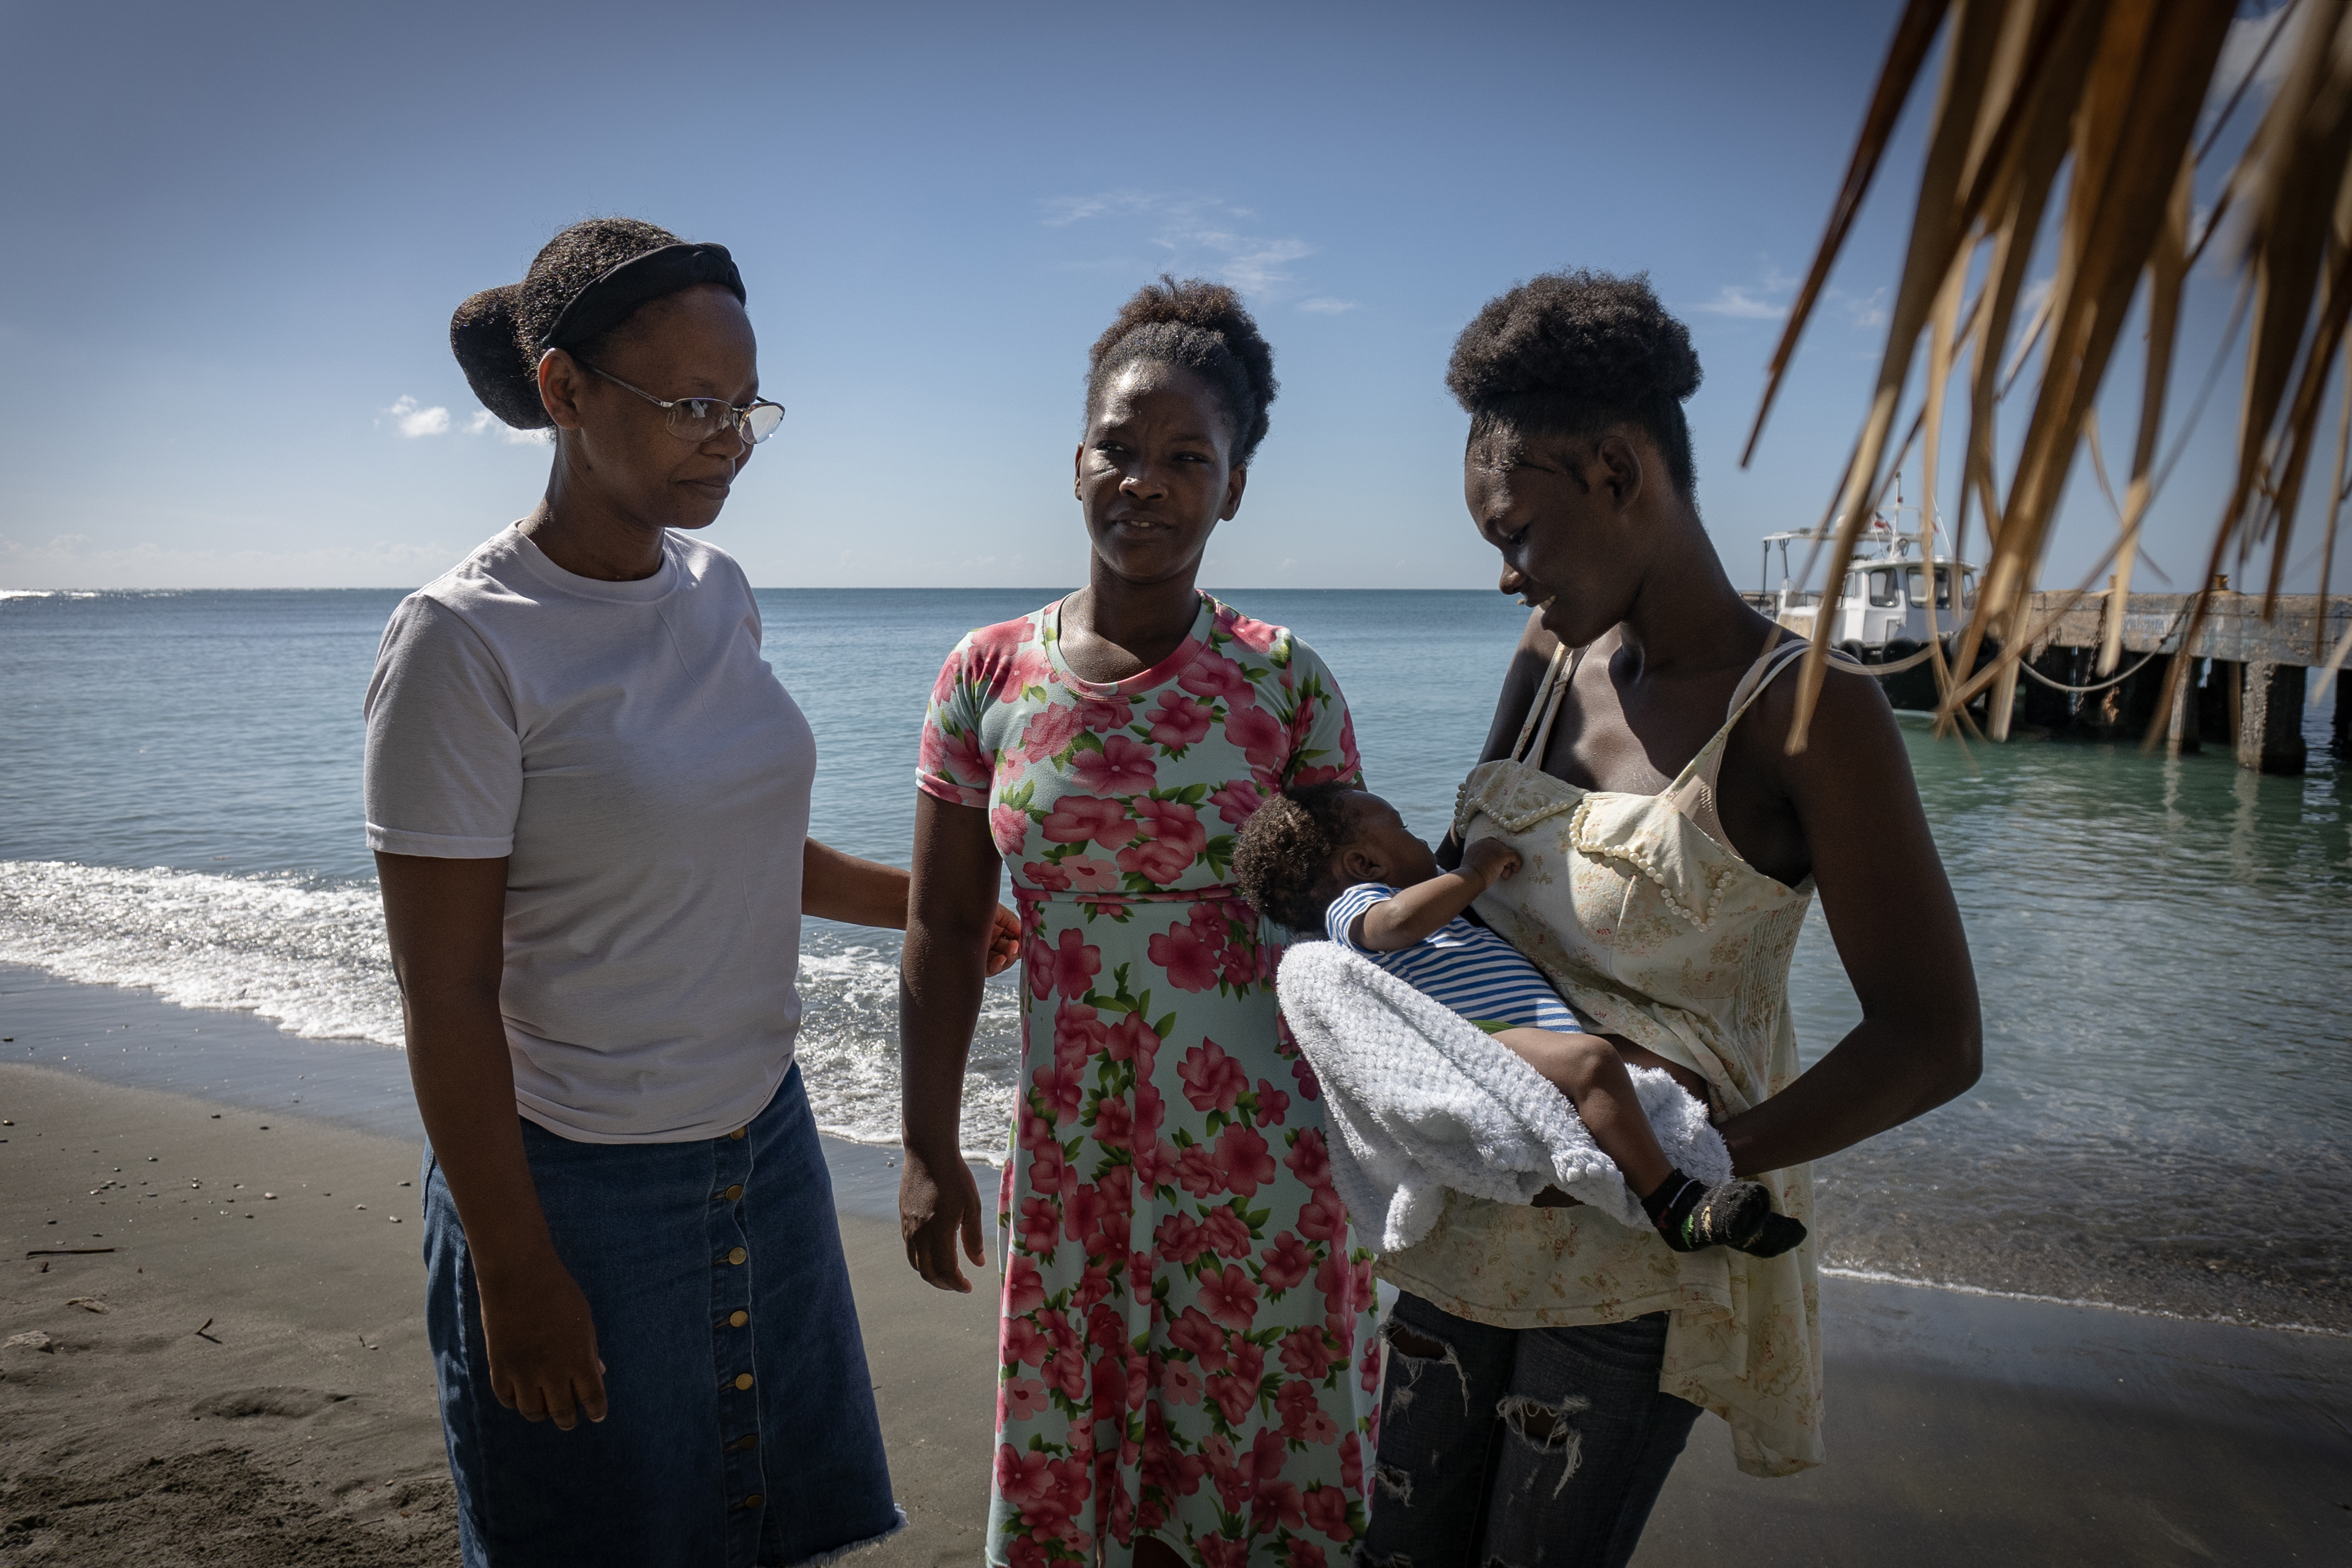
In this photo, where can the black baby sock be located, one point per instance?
(1690, 1215)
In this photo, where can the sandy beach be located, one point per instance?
(235, 1390)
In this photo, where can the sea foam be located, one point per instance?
(309, 955)
(305, 953)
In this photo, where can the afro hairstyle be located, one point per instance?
(1573, 353)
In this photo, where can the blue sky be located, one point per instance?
(235, 233)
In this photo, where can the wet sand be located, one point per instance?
(244, 1378)
(298, 1427)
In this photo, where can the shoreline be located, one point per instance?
(2219, 1319)
(300, 1428)
(132, 1035)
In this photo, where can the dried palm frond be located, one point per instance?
(2101, 100)
(2342, 492)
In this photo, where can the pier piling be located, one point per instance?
(2270, 721)
(2183, 734)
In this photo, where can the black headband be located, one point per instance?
(607, 302)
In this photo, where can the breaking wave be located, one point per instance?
(307, 953)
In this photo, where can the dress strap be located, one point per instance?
(1693, 792)
(1545, 705)
(1751, 683)
(1760, 674)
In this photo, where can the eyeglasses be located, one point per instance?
(700, 418)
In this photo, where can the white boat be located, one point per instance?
(1881, 611)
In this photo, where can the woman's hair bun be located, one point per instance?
(482, 335)
(1571, 352)
(1205, 328)
(497, 333)
(1583, 335)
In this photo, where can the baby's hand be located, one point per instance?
(1491, 858)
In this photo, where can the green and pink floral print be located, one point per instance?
(1186, 1348)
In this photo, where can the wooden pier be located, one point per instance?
(2246, 682)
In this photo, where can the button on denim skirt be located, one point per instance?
(741, 1427)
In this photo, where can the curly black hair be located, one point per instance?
(497, 333)
(1571, 353)
(1282, 861)
(1202, 326)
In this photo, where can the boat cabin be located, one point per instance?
(1881, 611)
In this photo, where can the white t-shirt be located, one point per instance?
(648, 777)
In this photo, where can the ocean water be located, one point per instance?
(2165, 1121)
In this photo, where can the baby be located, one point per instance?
(1339, 860)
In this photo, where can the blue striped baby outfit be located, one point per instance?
(1460, 965)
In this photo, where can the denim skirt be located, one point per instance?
(741, 1427)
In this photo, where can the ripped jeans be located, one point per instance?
(1515, 1447)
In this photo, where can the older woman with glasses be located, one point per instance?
(589, 796)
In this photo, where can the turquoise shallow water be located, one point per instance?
(2163, 945)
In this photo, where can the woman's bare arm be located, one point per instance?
(838, 886)
(952, 917)
(445, 921)
(1890, 911)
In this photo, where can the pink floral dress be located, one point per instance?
(1185, 1347)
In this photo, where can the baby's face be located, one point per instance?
(1381, 848)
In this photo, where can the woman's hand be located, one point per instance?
(1004, 941)
(939, 1203)
(445, 921)
(542, 1340)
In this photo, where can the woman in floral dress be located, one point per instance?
(1186, 1360)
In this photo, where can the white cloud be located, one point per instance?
(2243, 45)
(1194, 233)
(1870, 311)
(414, 421)
(77, 561)
(1767, 299)
(1062, 211)
(1762, 301)
(2249, 38)
(1324, 305)
(2246, 36)
(483, 423)
(1739, 301)
(58, 548)
(1251, 264)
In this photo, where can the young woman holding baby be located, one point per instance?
(1666, 846)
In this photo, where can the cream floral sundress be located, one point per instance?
(1656, 929)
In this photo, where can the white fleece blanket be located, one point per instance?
(1423, 1099)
